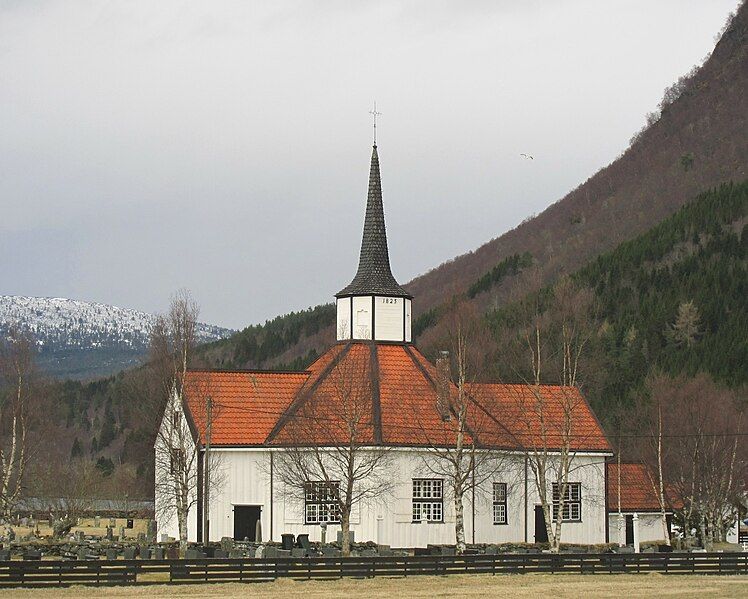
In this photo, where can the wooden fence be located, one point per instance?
(116, 572)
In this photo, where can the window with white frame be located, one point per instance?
(321, 502)
(499, 503)
(428, 500)
(572, 511)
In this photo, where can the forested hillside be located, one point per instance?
(672, 301)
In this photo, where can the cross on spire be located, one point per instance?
(375, 114)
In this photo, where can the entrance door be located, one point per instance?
(245, 522)
(541, 532)
(629, 529)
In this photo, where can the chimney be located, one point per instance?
(443, 396)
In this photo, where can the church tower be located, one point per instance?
(373, 306)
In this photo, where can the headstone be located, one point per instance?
(109, 533)
(283, 553)
(79, 536)
(260, 551)
(237, 553)
(82, 554)
(220, 553)
(448, 550)
(97, 521)
(368, 553)
(330, 551)
(4, 555)
(141, 537)
(112, 522)
(492, 550)
(384, 550)
(111, 553)
(157, 553)
(296, 552)
(172, 553)
(32, 555)
(303, 541)
(129, 553)
(271, 551)
(227, 543)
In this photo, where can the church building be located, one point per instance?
(256, 424)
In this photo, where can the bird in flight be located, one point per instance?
(527, 156)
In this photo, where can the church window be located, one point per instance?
(428, 500)
(572, 511)
(499, 503)
(321, 502)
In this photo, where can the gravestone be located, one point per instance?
(368, 553)
(330, 551)
(283, 553)
(97, 521)
(227, 543)
(157, 553)
(172, 553)
(129, 553)
(447, 550)
(141, 537)
(384, 550)
(237, 553)
(111, 553)
(492, 550)
(220, 553)
(4, 555)
(271, 551)
(260, 551)
(112, 522)
(32, 555)
(296, 552)
(109, 533)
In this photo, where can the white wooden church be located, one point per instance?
(256, 411)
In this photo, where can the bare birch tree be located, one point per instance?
(17, 367)
(456, 451)
(555, 337)
(329, 451)
(178, 440)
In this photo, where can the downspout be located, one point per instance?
(472, 459)
(525, 499)
(271, 496)
(607, 523)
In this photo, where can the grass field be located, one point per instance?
(515, 586)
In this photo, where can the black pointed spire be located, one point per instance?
(374, 275)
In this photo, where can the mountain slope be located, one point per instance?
(79, 339)
(699, 141)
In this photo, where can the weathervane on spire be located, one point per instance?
(375, 114)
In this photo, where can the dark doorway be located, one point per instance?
(629, 529)
(541, 532)
(245, 522)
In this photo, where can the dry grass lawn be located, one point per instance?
(515, 586)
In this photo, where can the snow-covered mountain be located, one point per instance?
(82, 339)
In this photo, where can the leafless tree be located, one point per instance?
(691, 443)
(328, 447)
(458, 450)
(178, 439)
(555, 333)
(17, 368)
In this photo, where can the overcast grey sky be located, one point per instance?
(224, 146)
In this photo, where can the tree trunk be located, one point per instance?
(345, 528)
(182, 522)
(459, 523)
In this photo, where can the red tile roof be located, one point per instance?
(637, 491)
(391, 390)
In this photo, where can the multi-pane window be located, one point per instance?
(428, 500)
(572, 511)
(321, 502)
(499, 503)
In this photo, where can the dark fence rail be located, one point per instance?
(116, 572)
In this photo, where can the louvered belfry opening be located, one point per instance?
(374, 306)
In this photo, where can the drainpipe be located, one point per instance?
(271, 496)
(525, 499)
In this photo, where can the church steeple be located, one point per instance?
(374, 274)
(374, 306)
